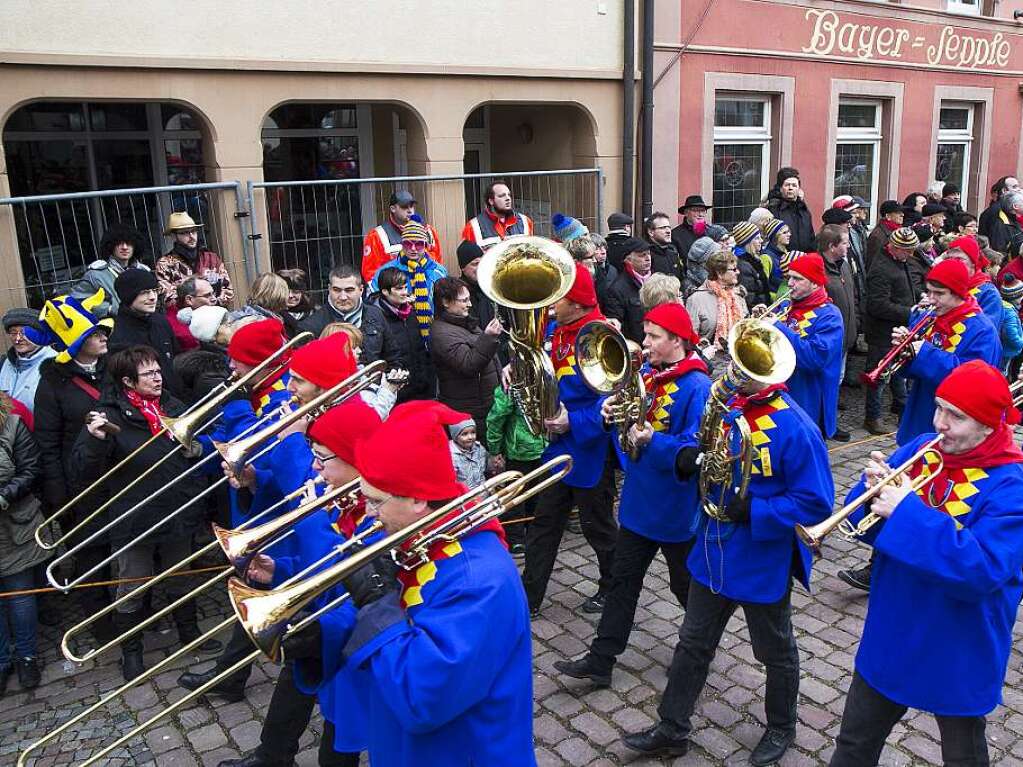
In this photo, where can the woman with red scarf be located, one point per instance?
(946, 580)
(813, 325)
(960, 332)
(134, 402)
(659, 507)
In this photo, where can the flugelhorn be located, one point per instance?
(899, 354)
(813, 536)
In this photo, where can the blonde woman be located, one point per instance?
(716, 307)
(660, 289)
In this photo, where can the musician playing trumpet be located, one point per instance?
(960, 332)
(946, 579)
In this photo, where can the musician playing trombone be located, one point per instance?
(946, 579)
(960, 332)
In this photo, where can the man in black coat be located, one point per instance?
(664, 258)
(785, 201)
(345, 304)
(693, 226)
(1005, 228)
(619, 230)
(139, 322)
(623, 302)
(1002, 187)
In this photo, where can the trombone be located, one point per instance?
(182, 428)
(337, 394)
(813, 536)
(1016, 392)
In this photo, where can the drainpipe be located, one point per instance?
(647, 141)
(628, 106)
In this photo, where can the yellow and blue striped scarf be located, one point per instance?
(420, 294)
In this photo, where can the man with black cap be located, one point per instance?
(619, 226)
(139, 322)
(469, 255)
(383, 243)
(19, 374)
(934, 215)
(623, 302)
(693, 226)
(890, 218)
(951, 196)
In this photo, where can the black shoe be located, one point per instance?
(254, 760)
(656, 742)
(132, 665)
(858, 579)
(595, 604)
(49, 616)
(188, 632)
(5, 674)
(772, 747)
(226, 688)
(29, 674)
(518, 550)
(841, 435)
(584, 668)
(534, 612)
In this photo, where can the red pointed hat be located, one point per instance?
(953, 275)
(325, 362)
(675, 319)
(342, 427)
(811, 266)
(256, 341)
(409, 455)
(582, 291)
(981, 392)
(971, 248)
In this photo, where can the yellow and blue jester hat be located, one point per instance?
(67, 321)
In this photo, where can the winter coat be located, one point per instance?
(371, 323)
(616, 251)
(891, 292)
(753, 278)
(102, 274)
(841, 289)
(988, 218)
(178, 265)
(153, 330)
(91, 457)
(703, 310)
(19, 376)
(604, 276)
(200, 371)
(1010, 333)
(1004, 229)
(470, 465)
(405, 347)
(797, 216)
(623, 304)
(507, 432)
(683, 237)
(20, 511)
(665, 259)
(466, 361)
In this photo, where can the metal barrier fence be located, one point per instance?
(58, 235)
(314, 225)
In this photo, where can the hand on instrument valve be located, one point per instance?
(687, 462)
(899, 334)
(890, 496)
(307, 644)
(875, 469)
(608, 409)
(559, 424)
(640, 436)
(738, 509)
(372, 581)
(241, 394)
(247, 478)
(261, 569)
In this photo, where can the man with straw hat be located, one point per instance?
(186, 259)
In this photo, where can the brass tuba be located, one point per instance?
(610, 364)
(526, 275)
(761, 353)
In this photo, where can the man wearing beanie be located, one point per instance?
(659, 504)
(469, 255)
(139, 322)
(619, 229)
(814, 327)
(422, 273)
(442, 649)
(752, 274)
(383, 243)
(948, 559)
(498, 219)
(749, 561)
(950, 198)
(20, 372)
(960, 332)
(966, 250)
(577, 431)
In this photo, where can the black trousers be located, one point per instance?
(328, 757)
(237, 647)
(543, 539)
(286, 719)
(774, 645)
(869, 717)
(633, 555)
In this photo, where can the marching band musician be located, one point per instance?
(659, 504)
(443, 651)
(577, 430)
(814, 327)
(750, 561)
(946, 578)
(960, 332)
(966, 250)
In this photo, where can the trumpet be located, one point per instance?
(899, 354)
(182, 429)
(813, 536)
(767, 313)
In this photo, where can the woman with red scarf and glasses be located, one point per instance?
(128, 414)
(946, 580)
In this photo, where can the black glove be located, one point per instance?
(686, 462)
(372, 581)
(306, 644)
(738, 509)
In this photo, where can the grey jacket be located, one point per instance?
(841, 289)
(20, 509)
(702, 306)
(470, 466)
(102, 274)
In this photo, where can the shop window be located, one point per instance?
(955, 142)
(858, 149)
(965, 7)
(742, 155)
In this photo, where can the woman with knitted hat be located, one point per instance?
(947, 574)
(1011, 290)
(960, 332)
(752, 275)
(140, 322)
(777, 236)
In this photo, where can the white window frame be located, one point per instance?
(872, 136)
(964, 137)
(964, 7)
(747, 135)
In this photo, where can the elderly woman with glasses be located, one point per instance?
(716, 307)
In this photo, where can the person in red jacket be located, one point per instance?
(498, 220)
(383, 243)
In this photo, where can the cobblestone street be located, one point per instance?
(574, 724)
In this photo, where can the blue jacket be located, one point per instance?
(1010, 333)
(19, 376)
(791, 484)
(449, 680)
(945, 587)
(655, 503)
(990, 300)
(976, 340)
(817, 340)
